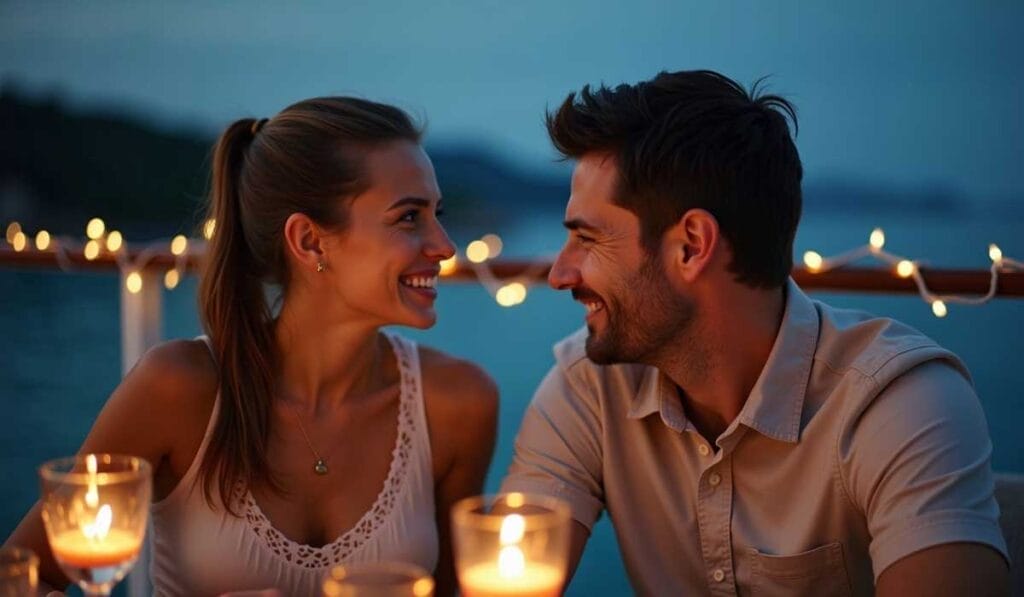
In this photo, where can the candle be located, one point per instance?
(535, 580)
(75, 549)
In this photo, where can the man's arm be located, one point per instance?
(951, 569)
(558, 453)
(916, 461)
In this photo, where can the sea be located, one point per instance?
(60, 352)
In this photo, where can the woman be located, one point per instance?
(283, 443)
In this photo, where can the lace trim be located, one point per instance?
(307, 556)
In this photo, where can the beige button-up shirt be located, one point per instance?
(861, 443)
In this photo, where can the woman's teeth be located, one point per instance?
(593, 307)
(420, 281)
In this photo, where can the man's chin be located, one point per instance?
(597, 351)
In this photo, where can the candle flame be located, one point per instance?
(98, 529)
(511, 562)
(513, 527)
(92, 496)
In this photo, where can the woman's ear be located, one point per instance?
(303, 242)
(691, 244)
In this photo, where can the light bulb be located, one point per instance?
(877, 239)
(449, 265)
(114, 241)
(92, 250)
(478, 251)
(133, 282)
(995, 254)
(494, 245)
(939, 308)
(43, 240)
(813, 261)
(209, 227)
(905, 268)
(95, 228)
(171, 279)
(179, 244)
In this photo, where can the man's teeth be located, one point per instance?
(592, 307)
(420, 281)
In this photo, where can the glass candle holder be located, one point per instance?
(19, 572)
(511, 544)
(378, 579)
(95, 508)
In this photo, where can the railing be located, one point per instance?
(142, 309)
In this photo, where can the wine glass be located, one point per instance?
(95, 508)
(511, 544)
(378, 579)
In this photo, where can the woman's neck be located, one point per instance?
(321, 363)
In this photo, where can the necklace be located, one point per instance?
(320, 467)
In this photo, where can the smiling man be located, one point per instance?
(744, 438)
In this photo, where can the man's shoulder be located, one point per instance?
(879, 348)
(571, 360)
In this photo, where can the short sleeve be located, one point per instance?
(558, 448)
(917, 462)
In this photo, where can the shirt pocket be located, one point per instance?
(820, 571)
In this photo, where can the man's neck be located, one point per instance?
(716, 366)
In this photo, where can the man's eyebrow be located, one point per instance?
(415, 201)
(580, 224)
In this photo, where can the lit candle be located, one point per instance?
(511, 574)
(533, 579)
(75, 549)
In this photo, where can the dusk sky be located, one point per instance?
(906, 93)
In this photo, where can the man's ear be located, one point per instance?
(303, 242)
(691, 243)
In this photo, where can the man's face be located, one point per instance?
(632, 311)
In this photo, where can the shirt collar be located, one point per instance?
(775, 404)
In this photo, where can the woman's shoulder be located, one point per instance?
(459, 385)
(179, 374)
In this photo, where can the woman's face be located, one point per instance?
(383, 266)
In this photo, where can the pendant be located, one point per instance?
(320, 467)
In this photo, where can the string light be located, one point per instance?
(92, 250)
(477, 251)
(95, 228)
(448, 266)
(171, 279)
(133, 282)
(114, 241)
(12, 229)
(906, 268)
(877, 239)
(494, 245)
(179, 244)
(995, 254)
(42, 240)
(813, 261)
(511, 295)
(19, 241)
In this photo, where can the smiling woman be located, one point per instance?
(289, 440)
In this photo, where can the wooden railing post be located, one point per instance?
(141, 317)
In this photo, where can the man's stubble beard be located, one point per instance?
(646, 320)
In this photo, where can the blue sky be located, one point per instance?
(905, 93)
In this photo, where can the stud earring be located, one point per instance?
(320, 266)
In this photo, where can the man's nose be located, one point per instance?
(564, 274)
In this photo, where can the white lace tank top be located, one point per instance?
(200, 551)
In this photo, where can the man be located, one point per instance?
(743, 438)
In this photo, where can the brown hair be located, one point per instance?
(697, 139)
(306, 159)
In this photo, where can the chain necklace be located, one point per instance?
(320, 467)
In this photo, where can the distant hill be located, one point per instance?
(59, 167)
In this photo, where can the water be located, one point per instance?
(59, 341)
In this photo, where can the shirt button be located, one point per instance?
(714, 479)
(703, 449)
(718, 575)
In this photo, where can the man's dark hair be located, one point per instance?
(696, 139)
